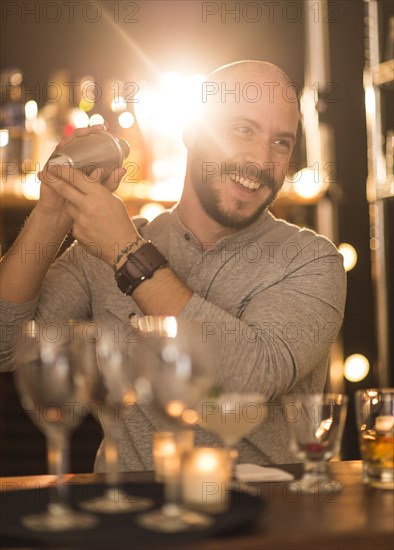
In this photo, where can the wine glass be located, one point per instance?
(315, 423)
(115, 396)
(178, 366)
(232, 416)
(54, 376)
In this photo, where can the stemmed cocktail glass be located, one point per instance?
(178, 366)
(115, 397)
(232, 416)
(55, 373)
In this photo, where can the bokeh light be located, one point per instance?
(151, 210)
(126, 120)
(118, 104)
(308, 184)
(349, 255)
(96, 119)
(356, 367)
(4, 138)
(79, 118)
(16, 79)
(31, 186)
(31, 110)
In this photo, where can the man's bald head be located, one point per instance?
(248, 67)
(247, 81)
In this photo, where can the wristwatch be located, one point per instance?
(140, 265)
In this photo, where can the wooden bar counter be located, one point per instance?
(359, 517)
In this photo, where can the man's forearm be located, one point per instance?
(23, 268)
(163, 294)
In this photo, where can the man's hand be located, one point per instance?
(100, 221)
(50, 201)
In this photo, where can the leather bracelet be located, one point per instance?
(140, 265)
(128, 248)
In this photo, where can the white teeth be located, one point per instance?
(249, 184)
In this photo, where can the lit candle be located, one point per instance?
(168, 449)
(206, 475)
(384, 423)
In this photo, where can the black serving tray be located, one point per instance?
(114, 531)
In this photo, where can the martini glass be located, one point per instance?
(54, 377)
(178, 366)
(232, 416)
(315, 423)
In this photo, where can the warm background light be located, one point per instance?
(96, 119)
(151, 210)
(190, 417)
(162, 112)
(31, 110)
(349, 255)
(126, 120)
(79, 118)
(175, 408)
(86, 105)
(356, 367)
(31, 186)
(16, 79)
(118, 104)
(307, 183)
(370, 100)
(4, 138)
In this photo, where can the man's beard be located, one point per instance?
(210, 201)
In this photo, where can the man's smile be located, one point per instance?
(246, 183)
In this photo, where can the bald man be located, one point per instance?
(269, 294)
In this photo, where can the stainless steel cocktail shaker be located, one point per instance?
(96, 150)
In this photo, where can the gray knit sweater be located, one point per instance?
(272, 296)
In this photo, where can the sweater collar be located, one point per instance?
(252, 232)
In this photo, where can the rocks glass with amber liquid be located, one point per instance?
(315, 426)
(375, 420)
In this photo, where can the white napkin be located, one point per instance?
(253, 472)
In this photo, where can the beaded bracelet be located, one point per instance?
(125, 251)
